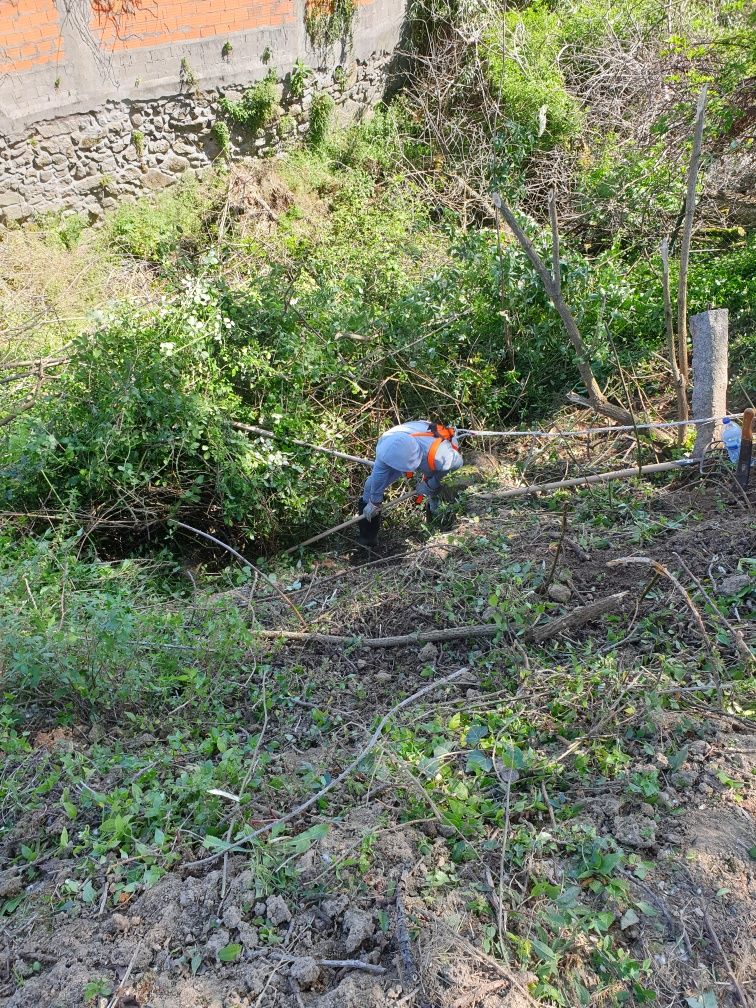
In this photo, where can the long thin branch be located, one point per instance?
(596, 396)
(677, 378)
(571, 620)
(687, 233)
(314, 799)
(556, 270)
(242, 559)
(665, 572)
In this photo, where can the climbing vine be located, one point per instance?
(328, 21)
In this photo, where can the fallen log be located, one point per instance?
(629, 473)
(570, 621)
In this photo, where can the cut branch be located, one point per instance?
(576, 618)
(677, 378)
(687, 232)
(598, 400)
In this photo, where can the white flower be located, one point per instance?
(167, 349)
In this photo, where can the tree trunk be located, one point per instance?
(596, 397)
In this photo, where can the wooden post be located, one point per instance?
(709, 335)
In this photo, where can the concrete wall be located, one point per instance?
(101, 99)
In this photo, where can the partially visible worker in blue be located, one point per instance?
(428, 449)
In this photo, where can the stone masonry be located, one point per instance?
(124, 98)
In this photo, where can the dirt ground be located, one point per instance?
(328, 943)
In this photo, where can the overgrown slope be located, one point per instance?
(568, 818)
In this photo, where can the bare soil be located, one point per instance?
(162, 950)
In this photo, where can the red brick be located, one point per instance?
(30, 31)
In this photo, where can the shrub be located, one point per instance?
(257, 105)
(321, 113)
(143, 420)
(531, 88)
(154, 228)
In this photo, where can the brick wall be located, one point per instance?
(30, 34)
(133, 24)
(80, 80)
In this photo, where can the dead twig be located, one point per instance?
(411, 974)
(741, 995)
(467, 1000)
(740, 645)
(126, 975)
(314, 799)
(233, 552)
(557, 552)
(352, 964)
(665, 572)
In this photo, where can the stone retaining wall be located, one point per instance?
(122, 105)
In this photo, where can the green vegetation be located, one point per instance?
(321, 113)
(268, 338)
(257, 105)
(329, 21)
(173, 224)
(137, 140)
(187, 74)
(298, 79)
(150, 714)
(222, 133)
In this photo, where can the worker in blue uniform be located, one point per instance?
(420, 447)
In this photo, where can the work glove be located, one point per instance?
(423, 492)
(370, 510)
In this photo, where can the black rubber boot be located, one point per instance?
(367, 531)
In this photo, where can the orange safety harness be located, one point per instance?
(439, 433)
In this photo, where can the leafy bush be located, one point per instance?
(155, 228)
(531, 87)
(143, 419)
(257, 105)
(321, 113)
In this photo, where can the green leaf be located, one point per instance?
(305, 840)
(215, 843)
(10, 905)
(646, 908)
(478, 761)
(629, 917)
(677, 759)
(230, 953)
(476, 734)
(706, 1000)
(88, 892)
(70, 809)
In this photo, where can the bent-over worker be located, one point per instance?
(419, 446)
